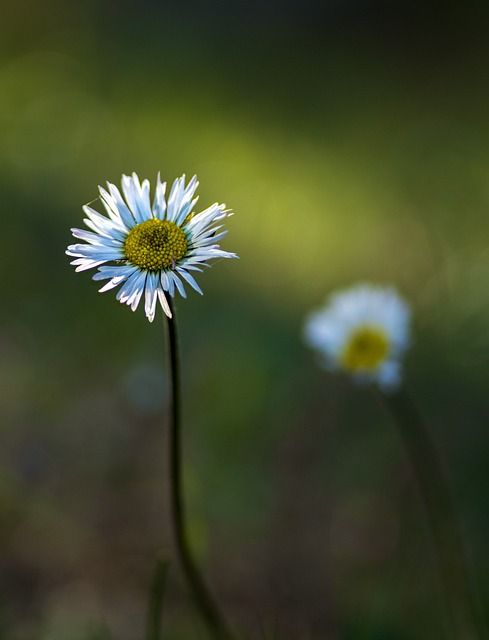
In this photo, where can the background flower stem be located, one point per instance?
(199, 591)
(442, 516)
(155, 606)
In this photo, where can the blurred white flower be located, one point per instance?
(152, 248)
(363, 331)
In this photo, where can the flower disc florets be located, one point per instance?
(365, 350)
(364, 332)
(155, 244)
(149, 249)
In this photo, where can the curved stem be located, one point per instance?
(200, 593)
(155, 607)
(442, 516)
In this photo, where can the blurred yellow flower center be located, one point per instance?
(366, 348)
(155, 244)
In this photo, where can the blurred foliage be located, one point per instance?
(352, 140)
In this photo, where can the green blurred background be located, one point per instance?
(352, 139)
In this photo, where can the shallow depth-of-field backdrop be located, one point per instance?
(352, 139)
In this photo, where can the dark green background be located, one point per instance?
(352, 140)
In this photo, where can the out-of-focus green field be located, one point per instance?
(352, 141)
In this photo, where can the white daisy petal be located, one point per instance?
(193, 263)
(363, 331)
(190, 280)
(137, 197)
(150, 296)
(121, 206)
(104, 226)
(106, 272)
(150, 250)
(107, 225)
(159, 204)
(187, 202)
(205, 218)
(164, 302)
(170, 282)
(178, 283)
(95, 238)
(212, 254)
(119, 213)
(87, 264)
(174, 199)
(129, 286)
(111, 284)
(209, 238)
(165, 283)
(138, 290)
(115, 252)
(189, 266)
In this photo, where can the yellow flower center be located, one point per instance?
(366, 348)
(155, 244)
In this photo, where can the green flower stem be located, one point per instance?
(442, 516)
(200, 593)
(155, 608)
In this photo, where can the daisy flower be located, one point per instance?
(149, 249)
(363, 331)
